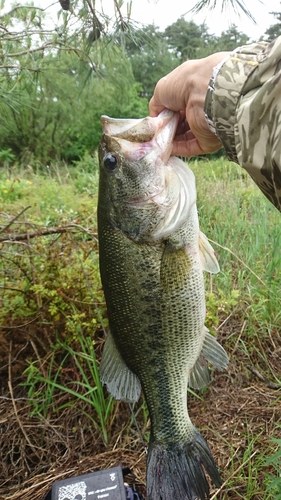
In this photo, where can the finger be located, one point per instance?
(187, 148)
(192, 147)
(186, 136)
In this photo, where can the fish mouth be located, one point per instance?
(136, 138)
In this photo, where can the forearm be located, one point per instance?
(245, 107)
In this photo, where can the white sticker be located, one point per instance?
(75, 491)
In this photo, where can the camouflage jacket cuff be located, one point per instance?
(224, 91)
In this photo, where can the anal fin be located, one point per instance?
(121, 382)
(199, 376)
(213, 352)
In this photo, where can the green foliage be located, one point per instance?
(51, 295)
(150, 57)
(219, 305)
(274, 460)
(69, 377)
(54, 281)
(45, 277)
(273, 32)
(187, 39)
(14, 189)
(47, 282)
(6, 157)
(231, 39)
(30, 33)
(59, 117)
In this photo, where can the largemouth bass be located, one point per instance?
(152, 257)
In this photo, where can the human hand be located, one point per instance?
(184, 90)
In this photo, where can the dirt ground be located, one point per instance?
(237, 414)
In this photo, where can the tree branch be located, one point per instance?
(44, 232)
(21, 7)
(2, 229)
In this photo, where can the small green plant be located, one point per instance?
(275, 462)
(73, 381)
(220, 304)
(7, 157)
(11, 190)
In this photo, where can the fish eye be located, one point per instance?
(110, 162)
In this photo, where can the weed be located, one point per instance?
(274, 461)
(70, 378)
(51, 298)
(14, 189)
(6, 157)
(219, 305)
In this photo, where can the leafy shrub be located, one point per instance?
(13, 189)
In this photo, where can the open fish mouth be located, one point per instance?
(158, 181)
(138, 137)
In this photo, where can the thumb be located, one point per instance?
(155, 108)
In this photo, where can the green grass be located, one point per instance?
(245, 232)
(54, 194)
(84, 389)
(51, 283)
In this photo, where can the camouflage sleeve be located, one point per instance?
(244, 104)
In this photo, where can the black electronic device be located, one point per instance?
(102, 485)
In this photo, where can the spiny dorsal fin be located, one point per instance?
(208, 260)
(119, 380)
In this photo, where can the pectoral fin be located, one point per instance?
(119, 380)
(213, 352)
(207, 255)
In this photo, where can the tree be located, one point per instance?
(77, 27)
(231, 38)
(275, 30)
(150, 57)
(28, 35)
(58, 76)
(185, 38)
(59, 116)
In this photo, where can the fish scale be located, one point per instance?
(152, 257)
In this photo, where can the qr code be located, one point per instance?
(75, 491)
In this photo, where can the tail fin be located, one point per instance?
(176, 471)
